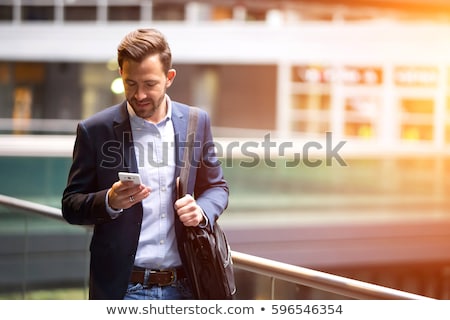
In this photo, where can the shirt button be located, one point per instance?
(163, 215)
(161, 242)
(163, 188)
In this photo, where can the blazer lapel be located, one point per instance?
(122, 131)
(179, 120)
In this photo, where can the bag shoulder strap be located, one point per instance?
(187, 155)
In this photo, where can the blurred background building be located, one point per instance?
(373, 73)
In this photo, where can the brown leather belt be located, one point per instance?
(156, 277)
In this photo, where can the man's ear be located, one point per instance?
(170, 77)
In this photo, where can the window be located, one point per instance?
(38, 13)
(416, 118)
(124, 13)
(80, 13)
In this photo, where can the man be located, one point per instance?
(138, 228)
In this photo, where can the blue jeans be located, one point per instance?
(180, 290)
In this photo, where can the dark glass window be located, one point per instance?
(80, 13)
(6, 13)
(168, 11)
(123, 13)
(38, 13)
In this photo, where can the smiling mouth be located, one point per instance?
(142, 104)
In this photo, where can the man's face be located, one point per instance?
(145, 85)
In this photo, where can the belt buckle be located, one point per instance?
(166, 272)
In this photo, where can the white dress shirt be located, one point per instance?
(154, 146)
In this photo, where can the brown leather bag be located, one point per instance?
(208, 255)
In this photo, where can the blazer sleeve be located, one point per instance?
(82, 202)
(211, 189)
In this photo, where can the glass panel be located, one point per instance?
(80, 13)
(361, 115)
(221, 13)
(38, 3)
(312, 110)
(41, 258)
(6, 13)
(256, 14)
(359, 129)
(123, 13)
(311, 101)
(38, 13)
(310, 127)
(416, 119)
(6, 98)
(418, 106)
(168, 11)
(416, 132)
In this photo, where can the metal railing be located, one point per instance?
(273, 269)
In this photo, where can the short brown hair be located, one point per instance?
(142, 43)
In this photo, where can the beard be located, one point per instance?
(150, 109)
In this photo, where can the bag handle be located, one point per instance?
(188, 151)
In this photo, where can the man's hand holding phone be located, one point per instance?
(128, 191)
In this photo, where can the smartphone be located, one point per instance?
(128, 176)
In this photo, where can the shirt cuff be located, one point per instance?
(113, 213)
(204, 223)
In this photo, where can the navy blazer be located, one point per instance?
(103, 147)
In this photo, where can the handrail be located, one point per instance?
(320, 280)
(274, 269)
(30, 206)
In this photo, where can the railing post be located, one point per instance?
(272, 287)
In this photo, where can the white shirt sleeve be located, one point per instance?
(112, 212)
